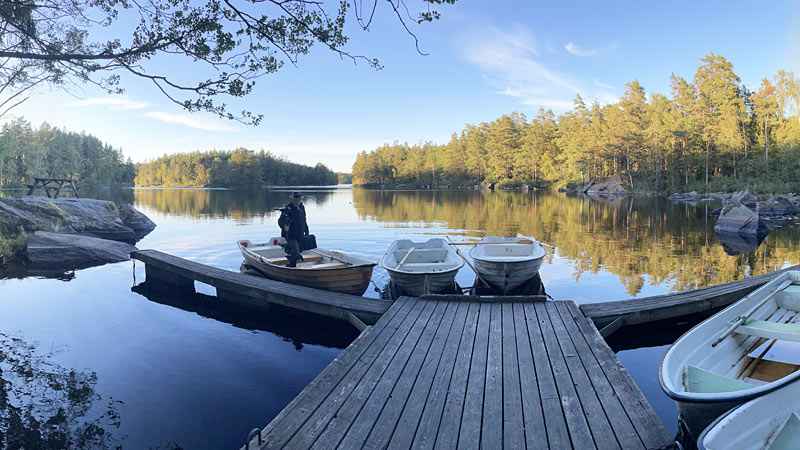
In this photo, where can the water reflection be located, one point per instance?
(45, 405)
(631, 237)
(236, 204)
(291, 325)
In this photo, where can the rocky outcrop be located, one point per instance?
(739, 219)
(54, 251)
(82, 216)
(608, 186)
(745, 197)
(691, 197)
(777, 205)
(138, 222)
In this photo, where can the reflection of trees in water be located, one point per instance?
(44, 405)
(634, 237)
(237, 204)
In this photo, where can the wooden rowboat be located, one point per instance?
(420, 268)
(747, 350)
(507, 262)
(321, 269)
(771, 421)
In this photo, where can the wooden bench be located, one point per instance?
(282, 261)
(56, 190)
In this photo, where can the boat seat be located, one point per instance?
(788, 436)
(282, 261)
(421, 255)
(701, 381)
(770, 330)
(332, 265)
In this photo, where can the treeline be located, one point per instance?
(47, 152)
(710, 133)
(237, 168)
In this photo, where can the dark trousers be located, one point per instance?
(293, 249)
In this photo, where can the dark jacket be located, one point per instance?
(295, 217)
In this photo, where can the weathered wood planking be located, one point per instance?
(660, 307)
(454, 374)
(254, 291)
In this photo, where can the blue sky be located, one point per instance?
(485, 59)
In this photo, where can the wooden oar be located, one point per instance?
(458, 252)
(521, 241)
(405, 257)
(743, 318)
(520, 235)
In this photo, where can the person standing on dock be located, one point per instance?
(294, 226)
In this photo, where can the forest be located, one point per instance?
(237, 168)
(711, 133)
(47, 152)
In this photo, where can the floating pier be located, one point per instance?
(180, 274)
(511, 373)
(611, 316)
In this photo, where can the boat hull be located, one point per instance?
(697, 416)
(347, 280)
(417, 284)
(504, 277)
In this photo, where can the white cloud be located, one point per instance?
(577, 51)
(511, 62)
(115, 103)
(192, 121)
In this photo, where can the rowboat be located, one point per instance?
(507, 262)
(743, 352)
(321, 269)
(771, 421)
(420, 268)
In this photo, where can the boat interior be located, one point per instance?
(312, 259)
(433, 255)
(763, 349)
(507, 252)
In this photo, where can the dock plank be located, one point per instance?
(455, 374)
(578, 427)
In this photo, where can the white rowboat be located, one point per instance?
(420, 268)
(321, 269)
(747, 350)
(771, 421)
(508, 264)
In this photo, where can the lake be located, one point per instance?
(117, 365)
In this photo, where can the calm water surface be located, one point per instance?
(159, 372)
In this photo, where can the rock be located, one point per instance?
(612, 186)
(84, 216)
(777, 205)
(138, 222)
(54, 251)
(691, 197)
(744, 197)
(739, 219)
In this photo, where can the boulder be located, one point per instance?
(54, 251)
(777, 205)
(736, 244)
(138, 222)
(745, 197)
(739, 219)
(84, 216)
(691, 197)
(608, 186)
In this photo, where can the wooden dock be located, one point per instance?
(610, 316)
(180, 274)
(515, 373)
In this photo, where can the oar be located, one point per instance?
(458, 252)
(520, 235)
(521, 241)
(405, 257)
(743, 318)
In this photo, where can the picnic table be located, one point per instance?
(49, 184)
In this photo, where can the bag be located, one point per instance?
(309, 242)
